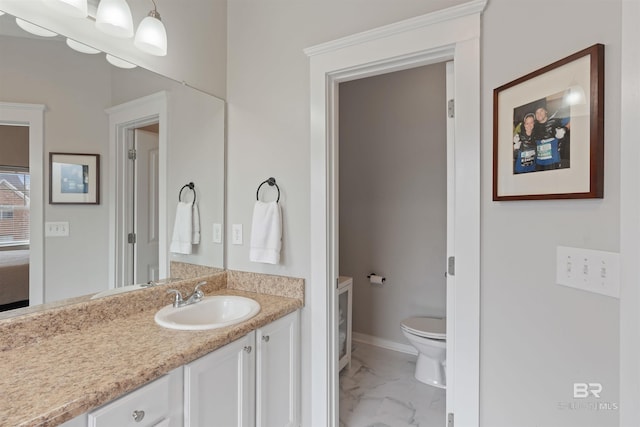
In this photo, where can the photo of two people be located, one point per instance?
(541, 135)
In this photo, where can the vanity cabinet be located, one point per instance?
(253, 381)
(219, 386)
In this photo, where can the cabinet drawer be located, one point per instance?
(148, 406)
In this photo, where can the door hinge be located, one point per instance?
(450, 108)
(133, 154)
(450, 419)
(451, 266)
(131, 238)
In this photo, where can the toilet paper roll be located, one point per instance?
(376, 280)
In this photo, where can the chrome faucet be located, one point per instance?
(195, 297)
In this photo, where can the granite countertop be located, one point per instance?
(60, 374)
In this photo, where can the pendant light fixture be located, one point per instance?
(76, 8)
(81, 47)
(34, 29)
(151, 36)
(120, 63)
(114, 17)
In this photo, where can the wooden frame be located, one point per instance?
(548, 131)
(74, 178)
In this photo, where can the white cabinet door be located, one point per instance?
(277, 373)
(219, 387)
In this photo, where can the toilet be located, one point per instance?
(428, 335)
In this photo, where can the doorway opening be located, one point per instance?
(27, 185)
(392, 221)
(143, 154)
(15, 202)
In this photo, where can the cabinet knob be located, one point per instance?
(248, 349)
(138, 416)
(265, 338)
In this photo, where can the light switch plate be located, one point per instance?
(236, 231)
(56, 229)
(217, 233)
(589, 270)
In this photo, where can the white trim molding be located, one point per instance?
(123, 118)
(382, 343)
(452, 34)
(629, 218)
(470, 8)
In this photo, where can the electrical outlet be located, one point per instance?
(589, 270)
(217, 233)
(236, 231)
(56, 229)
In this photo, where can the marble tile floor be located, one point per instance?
(379, 390)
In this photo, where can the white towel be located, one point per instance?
(266, 233)
(186, 229)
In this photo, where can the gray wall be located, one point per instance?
(74, 122)
(195, 152)
(393, 184)
(536, 337)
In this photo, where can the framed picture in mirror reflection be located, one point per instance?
(74, 178)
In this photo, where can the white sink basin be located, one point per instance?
(211, 312)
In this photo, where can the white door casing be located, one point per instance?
(450, 34)
(122, 119)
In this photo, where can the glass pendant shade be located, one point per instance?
(76, 8)
(114, 18)
(120, 63)
(34, 29)
(151, 36)
(81, 47)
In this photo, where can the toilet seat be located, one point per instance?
(426, 327)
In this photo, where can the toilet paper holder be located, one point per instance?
(375, 279)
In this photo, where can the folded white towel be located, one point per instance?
(266, 233)
(195, 228)
(186, 229)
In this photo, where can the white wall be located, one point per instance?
(74, 122)
(393, 197)
(536, 337)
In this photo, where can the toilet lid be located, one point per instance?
(427, 327)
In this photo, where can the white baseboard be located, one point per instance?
(380, 342)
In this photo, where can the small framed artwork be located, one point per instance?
(74, 178)
(548, 131)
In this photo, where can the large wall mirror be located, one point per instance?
(92, 107)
